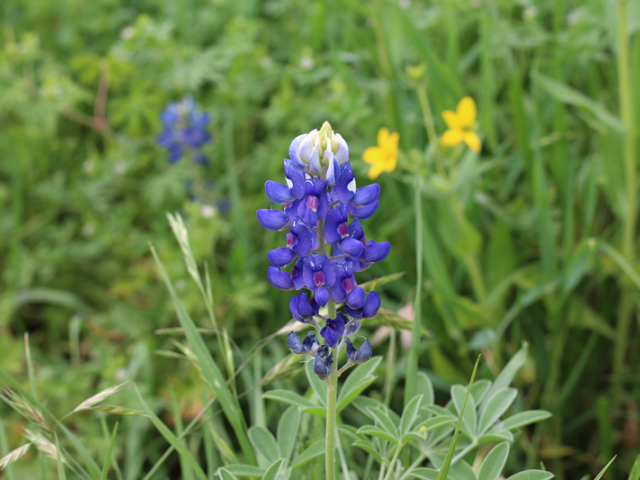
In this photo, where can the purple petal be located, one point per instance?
(336, 217)
(293, 307)
(363, 212)
(281, 256)
(296, 274)
(351, 350)
(371, 305)
(345, 187)
(333, 172)
(279, 278)
(277, 192)
(293, 151)
(329, 270)
(272, 219)
(303, 237)
(376, 252)
(322, 367)
(304, 306)
(364, 352)
(295, 179)
(366, 195)
(310, 343)
(338, 292)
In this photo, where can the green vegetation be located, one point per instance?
(522, 253)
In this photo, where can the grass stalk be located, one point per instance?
(629, 220)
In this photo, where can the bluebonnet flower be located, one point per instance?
(317, 202)
(184, 130)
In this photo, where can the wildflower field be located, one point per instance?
(319, 239)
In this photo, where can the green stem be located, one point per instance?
(414, 349)
(629, 220)
(393, 461)
(477, 283)
(332, 390)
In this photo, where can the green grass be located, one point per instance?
(532, 241)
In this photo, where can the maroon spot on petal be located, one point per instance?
(312, 202)
(347, 284)
(291, 240)
(343, 229)
(318, 278)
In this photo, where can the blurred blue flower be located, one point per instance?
(184, 130)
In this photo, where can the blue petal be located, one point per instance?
(281, 256)
(366, 195)
(352, 247)
(351, 350)
(371, 305)
(352, 329)
(329, 270)
(295, 179)
(279, 278)
(364, 352)
(314, 160)
(344, 189)
(293, 307)
(293, 151)
(363, 212)
(322, 367)
(294, 344)
(305, 308)
(296, 274)
(330, 336)
(310, 343)
(333, 172)
(272, 219)
(376, 252)
(277, 192)
(304, 238)
(336, 217)
(321, 296)
(355, 299)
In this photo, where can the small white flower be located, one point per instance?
(208, 211)
(88, 165)
(121, 168)
(122, 375)
(88, 229)
(180, 284)
(307, 63)
(530, 12)
(404, 4)
(127, 33)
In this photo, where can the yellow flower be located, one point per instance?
(384, 157)
(459, 123)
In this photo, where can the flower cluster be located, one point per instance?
(323, 249)
(184, 130)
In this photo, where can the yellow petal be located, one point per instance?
(390, 164)
(373, 155)
(471, 139)
(452, 137)
(466, 112)
(375, 171)
(383, 135)
(451, 119)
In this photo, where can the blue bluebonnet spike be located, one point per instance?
(322, 366)
(360, 355)
(352, 329)
(272, 219)
(279, 278)
(333, 330)
(277, 192)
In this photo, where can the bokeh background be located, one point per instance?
(532, 240)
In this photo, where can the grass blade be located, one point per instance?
(107, 459)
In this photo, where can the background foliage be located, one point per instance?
(523, 243)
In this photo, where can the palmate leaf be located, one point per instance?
(495, 407)
(264, 443)
(313, 451)
(288, 431)
(289, 397)
(524, 418)
(493, 463)
(357, 381)
(273, 471)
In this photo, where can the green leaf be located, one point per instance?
(316, 411)
(493, 437)
(383, 421)
(497, 404)
(410, 414)
(493, 463)
(532, 475)
(459, 397)
(378, 282)
(318, 385)
(410, 437)
(359, 379)
(273, 471)
(479, 390)
(566, 94)
(509, 371)
(264, 443)
(438, 411)
(226, 474)
(211, 372)
(288, 431)
(369, 448)
(524, 418)
(315, 450)
(171, 438)
(378, 432)
(444, 471)
(60, 462)
(461, 470)
(107, 460)
(427, 474)
(635, 471)
(436, 422)
(245, 470)
(289, 397)
(424, 387)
